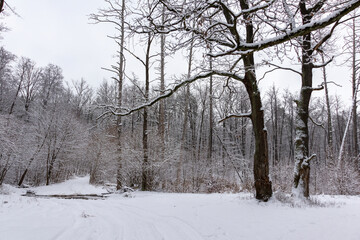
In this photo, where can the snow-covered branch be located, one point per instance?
(239, 115)
(170, 92)
(302, 30)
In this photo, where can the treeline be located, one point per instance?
(44, 123)
(51, 131)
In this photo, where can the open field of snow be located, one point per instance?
(165, 216)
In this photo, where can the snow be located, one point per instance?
(157, 216)
(77, 185)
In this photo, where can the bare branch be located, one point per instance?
(240, 115)
(324, 39)
(2, 2)
(315, 123)
(336, 84)
(324, 64)
(307, 160)
(170, 92)
(110, 70)
(282, 68)
(302, 30)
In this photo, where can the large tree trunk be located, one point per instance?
(302, 159)
(261, 157)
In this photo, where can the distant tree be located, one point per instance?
(82, 97)
(11, 135)
(351, 49)
(115, 14)
(6, 58)
(51, 84)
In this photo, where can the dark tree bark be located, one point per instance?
(146, 173)
(261, 157)
(2, 5)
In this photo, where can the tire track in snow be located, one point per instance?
(113, 220)
(142, 224)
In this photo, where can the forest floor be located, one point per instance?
(171, 216)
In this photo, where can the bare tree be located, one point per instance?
(115, 15)
(162, 89)
(26, 78)
(146, 173)
(50, 83)
(82, 97)
(351, 49)
(6, 58)
(30, 83)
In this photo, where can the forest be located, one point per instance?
(207, 130)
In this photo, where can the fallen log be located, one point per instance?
(67, 196)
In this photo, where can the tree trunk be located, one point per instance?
(261, 157)
(328, 109)
(302, 159)
(146, 178)
(50, 168)
(354, 92)
(119, 174)
(211, 116)
(16, 95)
(185, 122)
(23, 177)
(162, 91)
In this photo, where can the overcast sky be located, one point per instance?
(59, 32)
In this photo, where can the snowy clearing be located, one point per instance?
(158, 216)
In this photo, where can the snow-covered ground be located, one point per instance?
(165, 216)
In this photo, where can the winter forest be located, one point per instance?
(196, 122)
(214, 124)
(209, 129)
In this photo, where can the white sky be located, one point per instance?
(59, 32)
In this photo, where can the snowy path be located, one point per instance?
(161, 216)
(87, 219)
